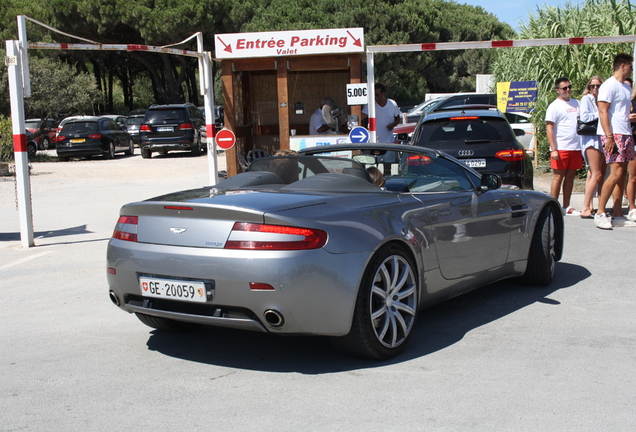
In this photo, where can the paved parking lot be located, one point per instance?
(506, 357)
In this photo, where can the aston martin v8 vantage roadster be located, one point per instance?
(308, 244)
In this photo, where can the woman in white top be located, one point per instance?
(592, 147)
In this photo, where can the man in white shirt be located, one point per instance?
(614, 103)
(387, 115)
(565, 146)
(317, 123)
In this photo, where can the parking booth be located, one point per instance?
(274, 81)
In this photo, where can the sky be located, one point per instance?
(514, 11)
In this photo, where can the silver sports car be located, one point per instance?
(330, 242)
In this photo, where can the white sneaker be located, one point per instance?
(602, 221)
(570, 211)
(632, 215)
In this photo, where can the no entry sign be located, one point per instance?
(225, 139)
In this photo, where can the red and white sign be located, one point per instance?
(225, 139)
(289, 43)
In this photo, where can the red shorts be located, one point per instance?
(568, 159)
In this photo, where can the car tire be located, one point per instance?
(131, 148)
(110, 153)
(542, 255)
(196, 150)
(32, 149)
(386, 307)
(166, 324)
(45, 143)
(145, 153)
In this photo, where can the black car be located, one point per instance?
(172, 127)
(481, 139)
(132, 125)
(89, 136)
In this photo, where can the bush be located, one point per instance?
(6, 139)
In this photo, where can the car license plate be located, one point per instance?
(165, 129)
(78, 140)
(192, 291)
(475, 163)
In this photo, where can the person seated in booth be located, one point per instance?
(317, 124)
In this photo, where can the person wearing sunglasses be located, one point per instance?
(614, 103)
(591, 147)
(565, 146)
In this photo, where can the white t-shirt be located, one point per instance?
(563, 114)
(316, 122)
(384, 116)
(618, 95)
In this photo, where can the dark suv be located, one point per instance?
(480, 138)
(172, 127)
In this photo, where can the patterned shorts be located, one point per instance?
(623, 150)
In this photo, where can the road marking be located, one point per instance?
(23, 260)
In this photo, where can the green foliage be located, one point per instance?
(6, 139)
(577, 62)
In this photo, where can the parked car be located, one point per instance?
(523, 121)
(172, 127)
(119, 119)
(133, 122)
(481, 139)
(32, 145)
(89, 136)
(307, 244)
(43, 131)
(219, 118)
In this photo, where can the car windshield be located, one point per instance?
(166, 115)
(293, 168)
(32, 124)
(80, 127)
(466, 129)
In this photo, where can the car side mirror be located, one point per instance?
(490, 182)
(519, 132)
(402, 137)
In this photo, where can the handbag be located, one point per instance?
(583, 128)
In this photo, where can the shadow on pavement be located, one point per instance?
(438, 327)
(15, 236)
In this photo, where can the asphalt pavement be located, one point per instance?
(505, 357)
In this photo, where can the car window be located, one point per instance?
(32, 125)
(165, 115)
(134, 121)
(293, 168)
(430, 173)
(80, 127)
(446, 132)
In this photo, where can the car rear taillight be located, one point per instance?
(126, 228)
(60, 138)
(186, 126)
(96, 136)
(464, 118)
(274, 237)
(511, 155)
(145, 128)
(418, 160)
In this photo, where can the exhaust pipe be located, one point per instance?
(114, 298)
(273, 318)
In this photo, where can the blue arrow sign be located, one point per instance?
(359, 135)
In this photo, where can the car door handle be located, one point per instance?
(443, 213)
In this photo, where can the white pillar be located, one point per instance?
(207, 90)
(19, 143)
(371, 93)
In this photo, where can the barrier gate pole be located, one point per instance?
(14, 66)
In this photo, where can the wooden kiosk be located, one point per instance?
(274, 81)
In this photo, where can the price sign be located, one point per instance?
(357, 94)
